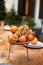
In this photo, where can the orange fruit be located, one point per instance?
(14, 29)
(30, 37)
(11, 38)
(22, 39)
(34, 41)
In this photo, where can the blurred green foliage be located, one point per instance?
(2, 10)
(30, 21)
(12, 18)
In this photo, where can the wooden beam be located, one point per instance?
(26, 7)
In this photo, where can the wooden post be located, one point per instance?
(26, 8)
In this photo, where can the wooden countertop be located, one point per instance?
(18, 55)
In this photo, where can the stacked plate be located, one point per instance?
(37, 45)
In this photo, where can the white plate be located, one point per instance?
(7, 28)
(38, 45)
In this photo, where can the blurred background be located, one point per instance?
(17, 12)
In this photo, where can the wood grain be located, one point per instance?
(18, 55)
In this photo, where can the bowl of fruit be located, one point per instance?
(24, 35)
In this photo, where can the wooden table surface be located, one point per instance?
(18, 55)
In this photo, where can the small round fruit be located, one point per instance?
(14, 29)
(34, 41)
(33, 33)
(22, 39)
(30, 37)
(26, 35)
(10, 38)
(19, 35)
(26, 27)
(30, 31)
